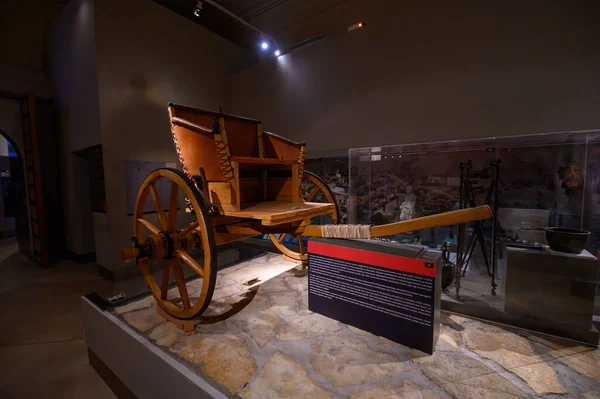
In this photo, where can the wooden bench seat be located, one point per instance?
(278, 212)
(262, 161)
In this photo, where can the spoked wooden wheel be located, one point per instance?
(313, 190)
(170, 243)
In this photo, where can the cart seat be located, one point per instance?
(278, 212)
(262, 161)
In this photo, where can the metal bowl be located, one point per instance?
(562, 239)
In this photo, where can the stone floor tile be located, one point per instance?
(448, 340)
(257, 320)
(453, 320)
(541, 378)
(348, 361)
(143, 320)
(225, 358)
(595, 394)
(348, 357)
(166, 334)
(444, 367)
(298, 284)
(146, 302)
(486, 386)
(285, 304)
(308, 326)
(363, 333)
(408, 390)
(504, 347)
(560, 347)
(283, 377)
(587, 363)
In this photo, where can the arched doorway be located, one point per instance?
(14, 213)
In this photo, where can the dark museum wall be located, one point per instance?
(115, 66)
(146, 57)
(73, 71)
(434, 71)
(22, 62)
(426, 71)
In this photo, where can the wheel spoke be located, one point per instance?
(183, 293)
(282, 237)
(190, 262)
(183, 233)
(148, 225)
(164, 288)
(162, 218)
(173, 205)
(313, 193)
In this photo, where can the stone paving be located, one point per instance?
(264, 343)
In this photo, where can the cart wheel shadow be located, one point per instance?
(235, 309)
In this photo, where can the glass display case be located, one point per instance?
(537, 181)
(334, 172)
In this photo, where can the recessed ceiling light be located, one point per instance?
(264, 45)
(277, 53)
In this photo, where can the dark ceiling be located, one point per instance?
(288, 22)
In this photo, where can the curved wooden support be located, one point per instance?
(319, 186)
(426, 222)
(295, 256)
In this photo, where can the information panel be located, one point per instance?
(390, 290)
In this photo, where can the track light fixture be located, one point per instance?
(198, 10)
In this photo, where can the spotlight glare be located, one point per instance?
(264, 45)
(277, 53)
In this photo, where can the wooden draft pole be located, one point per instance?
(426, 222)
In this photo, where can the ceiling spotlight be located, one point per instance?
(277, 53)
(264, 45)
(357, 25)
(198, 9)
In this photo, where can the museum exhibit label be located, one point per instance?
(388, 289)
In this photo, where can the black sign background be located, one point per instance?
(369, 287)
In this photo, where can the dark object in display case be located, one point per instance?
(516, 243)
(572, 176)
(562, 239)
(447, 268)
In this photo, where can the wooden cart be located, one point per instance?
(238, 182)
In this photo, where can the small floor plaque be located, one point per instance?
(391, 290)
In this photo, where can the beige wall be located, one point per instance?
(435, 71)
(147, 56)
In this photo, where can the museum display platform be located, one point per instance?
(259, 340)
